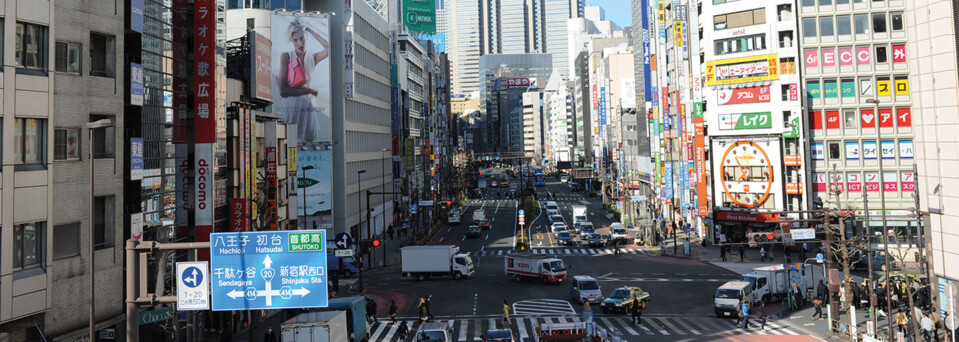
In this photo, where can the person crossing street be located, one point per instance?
(745, 309)
(505, 313)
(636, 310)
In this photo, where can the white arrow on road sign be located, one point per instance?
(192, 291)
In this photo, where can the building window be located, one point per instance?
(103, 222)
(843, 25)
(825, 27)
(68, 57)
(66, 240)
(28, 245)
(31, 46)
(842, 2)
(834, 151)
(66, 144)
(881, 54)
(104, 139)
(808, 3)
(741, 44)
(879, 22)
(825, 2)
(739, 19)
(896, 21)
(850, 118)
(29, 141)
(862, 23)
(103, 52)
(809, 28)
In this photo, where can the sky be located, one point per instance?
(617, 11)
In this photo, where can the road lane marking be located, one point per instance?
(671, 326)
(462, 336)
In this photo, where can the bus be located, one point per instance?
(540, 180)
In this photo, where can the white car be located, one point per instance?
(454, 217)
(557, 227)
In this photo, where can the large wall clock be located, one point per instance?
(747, 174)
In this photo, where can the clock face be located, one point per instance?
(747, 174)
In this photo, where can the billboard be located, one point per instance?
(301, 75)
(748, 173)
(754, 94)
(315, 184)
(521, 82)
(204, 116)
(261, 50)
(420, 15)
(742, 70)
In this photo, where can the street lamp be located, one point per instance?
(384, 202)
(359, 218)
(307, 167)
(102, 123)
(882, 201)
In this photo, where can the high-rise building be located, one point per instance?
(932, 49)
(463, 45)
(856, 71)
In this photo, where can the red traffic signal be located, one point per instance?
(770, 236)
(376, 242)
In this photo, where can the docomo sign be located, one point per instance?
(204, 184)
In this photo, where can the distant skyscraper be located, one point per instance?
(463, 44)
(513, 26)
(556, 13)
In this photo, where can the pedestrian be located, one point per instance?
(423, 309)
(739, 313)
(371, 311)
(389, 230)
(821, 290)
(742, 254)
(403, 331)
(662, 247)
(928, 328)
(722, 253)
(745, 309)
(429, 313)
(393, 310)
(762, 253)
(818, 304)
(949, 332)
(802, 252)
(636, 310)
(770, 253)
(270, 336)
(762, 315)
(505, 313)
(901, 320)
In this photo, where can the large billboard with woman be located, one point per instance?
(301, 70)
(301, 93)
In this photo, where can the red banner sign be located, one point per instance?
(204, 115)
(872, 182)
(239, 214)
(908, 181)
(854, 182)
(744, 95)
(745, 217)
(832, 119)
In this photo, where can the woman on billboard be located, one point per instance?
(301, 102)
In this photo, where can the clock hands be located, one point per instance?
(742, 170)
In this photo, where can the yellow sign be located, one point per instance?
(883, 88)
(662, 13)
(678, 26)
(902, 87)
(742, 70)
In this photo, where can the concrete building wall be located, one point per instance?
(932, 50)
(77, 97)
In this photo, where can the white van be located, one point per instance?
(728, 296)
(552, 208)
(618, 232)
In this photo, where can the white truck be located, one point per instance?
(481, 183)
(454, 217)
(774, 282)
(727, 297)
(535, 267)
(579, 213)
(321, 326)
(444, 260)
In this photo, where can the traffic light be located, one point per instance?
(754, 239)
(376, 242)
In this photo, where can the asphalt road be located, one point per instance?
(681, 290)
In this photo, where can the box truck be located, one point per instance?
(426, 261)
(540, 267)
(322, 326)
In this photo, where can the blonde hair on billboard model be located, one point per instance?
(295, 25)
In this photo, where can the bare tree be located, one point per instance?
(896, 260)
(848, 250)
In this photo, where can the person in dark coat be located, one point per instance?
(822, 291)
(762, 316)
(742, 254)
(403, 331)
(635, 309)
(722, 253)
(270, 336)
(393, 310)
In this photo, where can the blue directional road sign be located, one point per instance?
(268, 270)
(343, 241)
(522, 212)
(413, 208)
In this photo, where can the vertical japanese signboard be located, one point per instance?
(700, 132)
(136, 158)
(204, 118)
(272, 212)
(261, 84)
(136, 84)
(291, 177)
(182, 117)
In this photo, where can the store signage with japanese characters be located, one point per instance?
(744, 95)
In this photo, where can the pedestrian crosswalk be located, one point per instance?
(581, 251)
(469, 328)
(533, 307)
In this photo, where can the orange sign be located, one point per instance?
(792, 160)
(793, 188)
